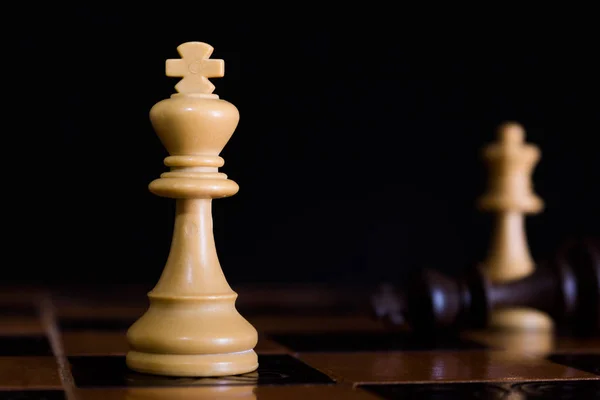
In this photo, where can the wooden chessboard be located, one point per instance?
(314, 343)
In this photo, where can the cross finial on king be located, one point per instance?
(195, 67)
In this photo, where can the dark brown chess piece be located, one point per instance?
(567, 287)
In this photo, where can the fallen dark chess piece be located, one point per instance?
(566, 287)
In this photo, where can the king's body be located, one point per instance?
(192, 327)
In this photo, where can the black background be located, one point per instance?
(357, 152)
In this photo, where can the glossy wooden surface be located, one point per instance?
(463, 366)
(28, 372)
(95, 325)
(243, 393)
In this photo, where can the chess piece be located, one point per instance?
(510, 195)
(192, 327)
(566, 287)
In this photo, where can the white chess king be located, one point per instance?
(192, 327)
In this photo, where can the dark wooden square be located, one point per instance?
(588, 362)
(111, 371)
(95, 324)
(544, 390)
(32, 395)
(25, 345)
(371, 341)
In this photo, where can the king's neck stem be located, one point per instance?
(193, 266)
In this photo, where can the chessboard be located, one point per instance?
(193, 336)
(315, 342)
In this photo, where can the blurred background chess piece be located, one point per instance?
(510, 195)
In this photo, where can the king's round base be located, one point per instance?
(521, 319)
(196, 365)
